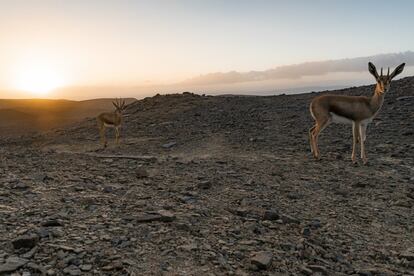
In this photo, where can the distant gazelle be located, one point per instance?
(356, 110)
(111, 119)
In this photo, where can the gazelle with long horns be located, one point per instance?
(356, 110)
(111, 119)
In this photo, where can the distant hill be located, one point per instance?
(32, 115)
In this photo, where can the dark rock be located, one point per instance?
(52, 223)
(271, 215)
(141, 173)
(108, 189)
(25, 241)
(315, 224)
(204, 185)
(262, 259)
(306, 231)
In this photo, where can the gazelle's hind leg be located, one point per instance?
(314, 134)
(355, 136)
(101, 127)
(311, 137)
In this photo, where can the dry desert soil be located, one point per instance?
(204, 185)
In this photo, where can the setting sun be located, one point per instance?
(37, 77)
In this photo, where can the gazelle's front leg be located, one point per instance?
(362, 138)
(103, 138)
(117, 135)
(355, 134)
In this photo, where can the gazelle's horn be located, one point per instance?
(381, 71)
(388, 73)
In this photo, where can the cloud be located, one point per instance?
(297, 71)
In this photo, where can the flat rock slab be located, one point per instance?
(169, 145)
(12, 264)
(148, 158)
(163, 216)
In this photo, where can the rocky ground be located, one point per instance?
(212, 186)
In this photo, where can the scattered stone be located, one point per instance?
(408, 254)
(37, 268)
(86, 267)
(30, 253)
(52, 223)
(163, 216)
(141, 173)
(306, 231)
(169, 145)
(319, 269)
(204, 185)
(271, 215)
(289, 219)
(72, 270)
(306, 271)
(108, 189)
(262, 259)
(20, 186)
(12, 264)
(40, 177)
(403, 203)
(315, 224)
(25, 241)
(113, 266)
(189, 247)
(405, 98)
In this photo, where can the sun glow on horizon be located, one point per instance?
(37, 77)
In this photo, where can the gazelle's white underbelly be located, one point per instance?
(343, 120)
(339, 119)
(110, 125)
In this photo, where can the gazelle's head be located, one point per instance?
(383, 81)
(119, 105)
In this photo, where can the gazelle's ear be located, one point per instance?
(373, 70)
(397, 71)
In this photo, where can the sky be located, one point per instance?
(143, 46)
